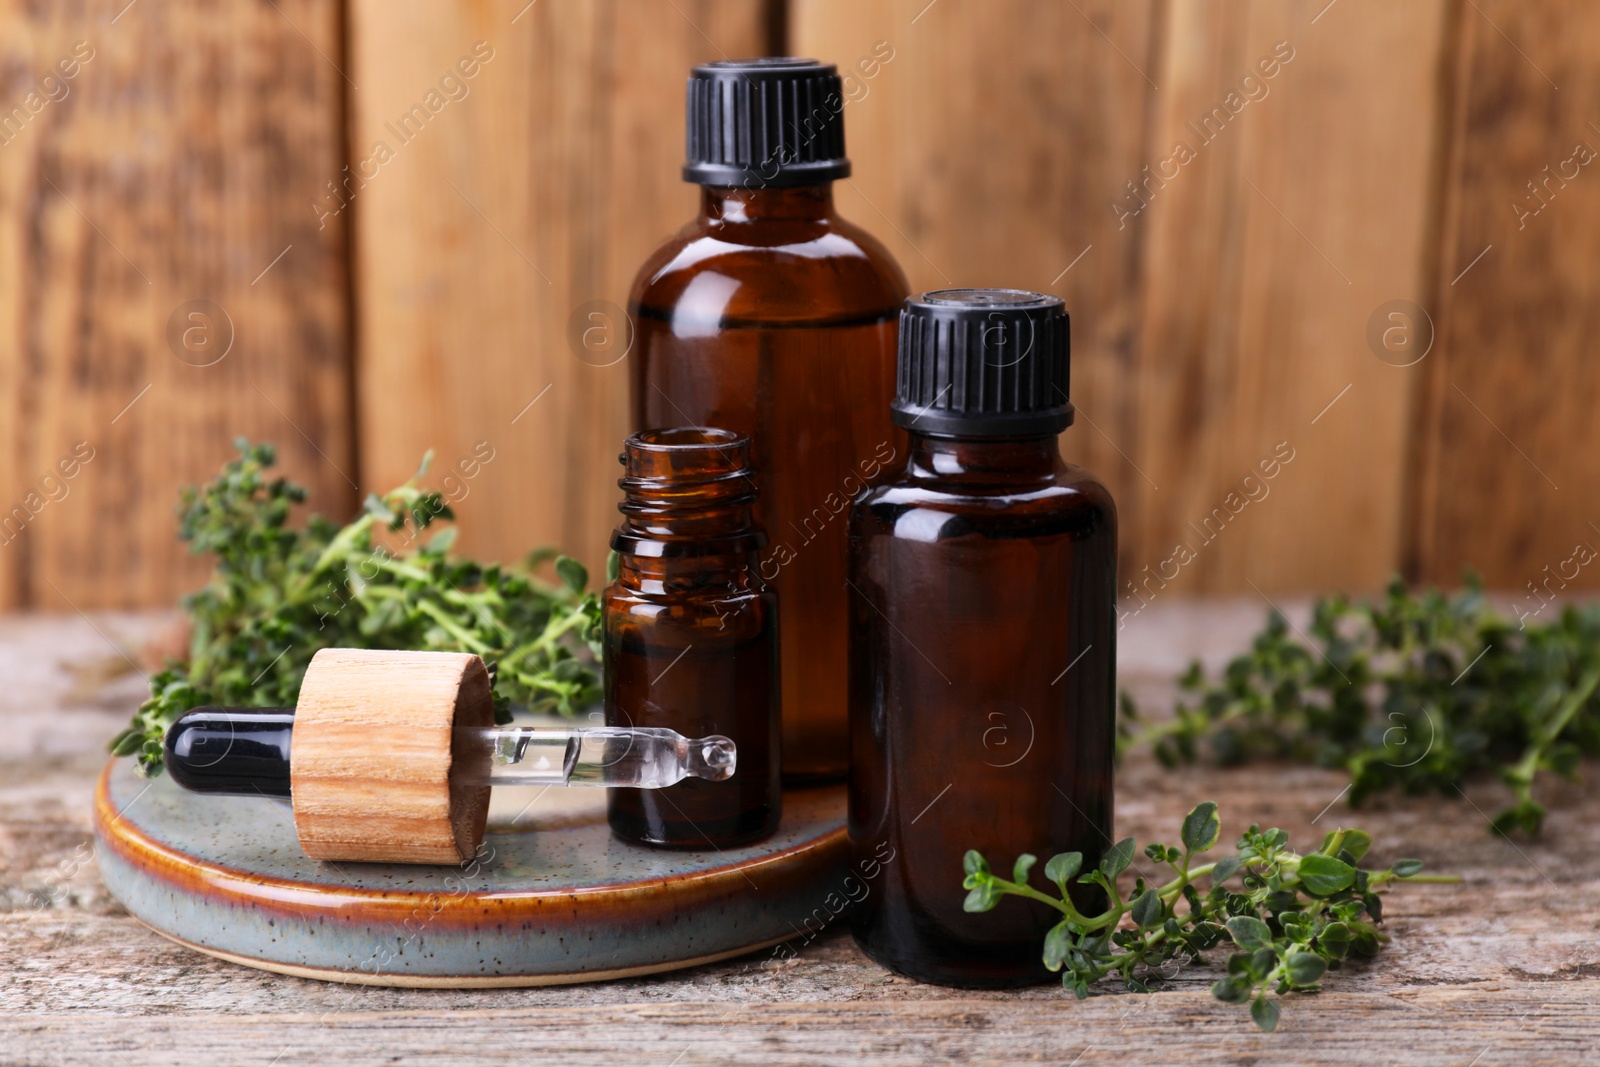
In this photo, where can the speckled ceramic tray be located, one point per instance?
(556, 899)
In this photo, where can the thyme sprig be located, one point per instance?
(1291, 917)
(1414, 692)
(279, 594)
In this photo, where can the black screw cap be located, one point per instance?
(983, 363)
(765, 123)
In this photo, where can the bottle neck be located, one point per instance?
(734, 204)
(1000, 460)
(687, 495)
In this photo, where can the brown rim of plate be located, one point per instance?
(352, 906)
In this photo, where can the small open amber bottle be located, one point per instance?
(770, 315)
(690, 635)
(982, 630)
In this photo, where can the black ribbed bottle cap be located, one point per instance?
(765, 123)
(983, 363)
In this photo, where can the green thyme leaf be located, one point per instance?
(1324, 875)
(572, 573)
(1304, 968)
(1226, 868)
(1264, 1012)
(1146, 909)
(973, 863)
(1061, 869)
(983, 897)
(1232, 990)
(1117, 858)
(1057, 945)
(1249, 932)
(1201, 827)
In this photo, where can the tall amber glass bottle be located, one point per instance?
(770, 315)
(690, 638)
(982, 641)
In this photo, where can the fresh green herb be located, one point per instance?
(1414, 692)
(1292, 917)
(279, 594)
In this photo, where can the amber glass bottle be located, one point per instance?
(690, 637)
(770, 315)
(983, 622)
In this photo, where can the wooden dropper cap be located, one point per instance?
(378, 773)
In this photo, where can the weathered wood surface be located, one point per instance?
(165, 283)
(1502, 969)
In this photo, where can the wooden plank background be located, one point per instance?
(1226, 299)
(1260, 273)
(515, 211)
(178, 166)
(1507, 475)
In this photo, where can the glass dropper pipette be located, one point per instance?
(247, 751)
(638, 756)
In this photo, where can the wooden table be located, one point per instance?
(1503, 969)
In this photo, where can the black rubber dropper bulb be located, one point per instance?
(239, 751)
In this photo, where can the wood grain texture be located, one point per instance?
(1501, 969)
(1507, 478)
(1222, 296)
(985, 150)
(378, 772)
(199, 152)
(1553, 1026)
(178, 163)
(1302, 207)
(490, 237)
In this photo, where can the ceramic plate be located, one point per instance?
(553, 898)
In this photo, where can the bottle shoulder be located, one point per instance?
(771, 271)
(1072, 489)
(708, 607)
